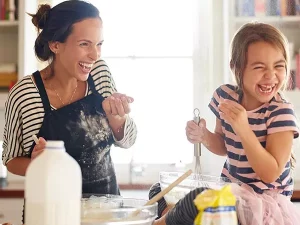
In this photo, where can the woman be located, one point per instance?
(74, 99)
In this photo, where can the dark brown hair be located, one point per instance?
(55, 24)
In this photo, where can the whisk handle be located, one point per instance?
(197, 146)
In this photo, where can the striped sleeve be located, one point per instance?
(282, 118)
(226, 91)
(24, 115)
(223, 92)
(103, 80)
(12, 135)
(185, 210)
(105, 85)
(214, 103)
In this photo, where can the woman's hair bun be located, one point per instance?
(40, 18)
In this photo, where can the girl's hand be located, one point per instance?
(234, 114)
(38, 148)
(117, 105)
(196, 133)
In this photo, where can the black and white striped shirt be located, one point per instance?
(184, 212)
(24, 113)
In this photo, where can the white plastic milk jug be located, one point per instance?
(53, 187)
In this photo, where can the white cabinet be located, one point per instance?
(11, 210)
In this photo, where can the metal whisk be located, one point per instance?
(197, 147)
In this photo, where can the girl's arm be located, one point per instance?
(268, 163)
(214, 142)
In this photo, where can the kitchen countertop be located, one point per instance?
(16, 189)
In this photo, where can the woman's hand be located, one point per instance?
(117, 105)
(38, 148)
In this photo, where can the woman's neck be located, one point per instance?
(59, 79)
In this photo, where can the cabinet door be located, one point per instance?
(11, 210)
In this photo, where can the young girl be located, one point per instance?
(255, 128)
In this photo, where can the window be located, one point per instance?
(149, 49)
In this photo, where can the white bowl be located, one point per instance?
(190, 183)
(115, 210)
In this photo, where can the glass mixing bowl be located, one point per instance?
(115, 210)
(190, 183)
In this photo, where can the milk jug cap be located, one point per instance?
(59, 145)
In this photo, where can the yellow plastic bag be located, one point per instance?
(216, 207)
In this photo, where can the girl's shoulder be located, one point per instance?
(227, 91)
(280, 102)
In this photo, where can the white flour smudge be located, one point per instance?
(96, 130)
(95, 127)
(102, 153)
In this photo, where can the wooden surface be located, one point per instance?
(296, 195)
(16, 189)
(6, 79)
